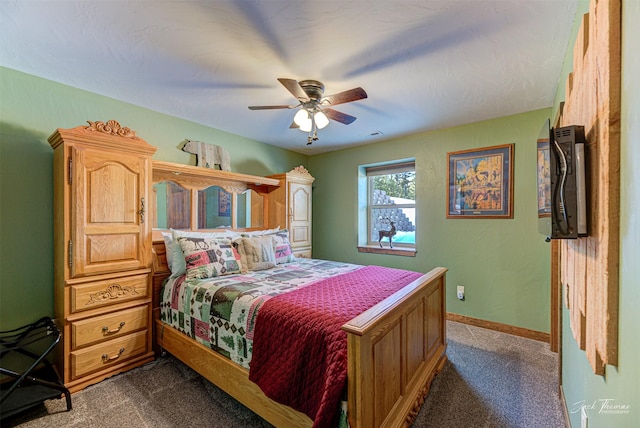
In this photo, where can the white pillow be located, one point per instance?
(253, 233)
(168, 245)
(178, 266)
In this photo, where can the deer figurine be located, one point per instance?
(387, 233)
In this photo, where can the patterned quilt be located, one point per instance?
(220, 312)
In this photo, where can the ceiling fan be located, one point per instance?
(315, 109)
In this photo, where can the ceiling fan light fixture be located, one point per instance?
(302, 118)
(309, 93)
(305, 127)
(321, 119)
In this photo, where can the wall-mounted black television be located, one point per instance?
(567, 183)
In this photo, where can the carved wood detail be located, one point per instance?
(422, 396)
(112, 127)
(301, 170)
(114, 291)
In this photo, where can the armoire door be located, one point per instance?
(109, 229)
(299, 215)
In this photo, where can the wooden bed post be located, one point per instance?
(394, 354)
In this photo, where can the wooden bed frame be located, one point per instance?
(394, 351)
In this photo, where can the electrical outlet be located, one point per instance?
(460, 292)
(584, 421)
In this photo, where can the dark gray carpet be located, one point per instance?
(491, 380)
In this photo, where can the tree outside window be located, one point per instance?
(391, 199)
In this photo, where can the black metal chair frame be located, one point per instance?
(26, 389)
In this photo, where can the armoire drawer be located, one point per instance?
(91, 295)
(97, 357)
(105, 327)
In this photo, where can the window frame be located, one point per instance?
(365, 229)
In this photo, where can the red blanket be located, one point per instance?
(300, 353)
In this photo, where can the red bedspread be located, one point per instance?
(300, 352)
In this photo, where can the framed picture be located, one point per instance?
(481, 183)
(224, 203)
(544, 179)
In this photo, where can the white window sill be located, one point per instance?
(396, 251)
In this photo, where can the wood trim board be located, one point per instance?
(502, 328)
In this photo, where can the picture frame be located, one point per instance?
(480, 183)
(224, 203)
(543, 176)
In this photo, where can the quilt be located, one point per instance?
(300, 351)
(220, 312)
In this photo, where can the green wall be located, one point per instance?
(506, 281)
(621, 383)
(503, 263)
(31, 109)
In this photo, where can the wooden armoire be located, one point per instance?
(290, 208)
(102, 251)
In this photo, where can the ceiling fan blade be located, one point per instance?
(270, 107)
(294, 126)
(296, 90)
(345, 97)
(338, 116)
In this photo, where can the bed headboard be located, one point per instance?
(180, 189)
(160, 271)
(193, 179)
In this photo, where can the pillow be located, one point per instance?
(261, 232)
(177, 265)
(284, 254)
(258, 252)
(209, 257)
(168, 245)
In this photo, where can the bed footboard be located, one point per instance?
(394, 351)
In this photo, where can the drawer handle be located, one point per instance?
(106, 358)
(106, 331)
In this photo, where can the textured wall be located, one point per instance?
(503, 263)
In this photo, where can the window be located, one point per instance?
(391, 204)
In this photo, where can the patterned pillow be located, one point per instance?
(284, 254)
(177, 265)
(258, 252)
(209, 257)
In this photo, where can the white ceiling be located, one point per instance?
(424, 64)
